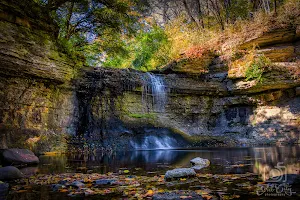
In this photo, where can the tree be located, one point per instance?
(94, 27)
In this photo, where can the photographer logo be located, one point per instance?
(276, 184)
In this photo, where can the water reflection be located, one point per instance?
(223, 160)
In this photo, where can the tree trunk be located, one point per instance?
(70, 13)
(187, 9)
(200, 14)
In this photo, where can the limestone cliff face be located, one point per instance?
(36, 97)
(219, 107)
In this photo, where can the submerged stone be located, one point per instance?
(10, 173)
(77, 184)
(105, 182)
(177, 196)
(199, 163)
(19, 156)
(180, 173)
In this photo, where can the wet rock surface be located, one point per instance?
(180, 173)
(102, 182)
(19, 157)
(10, 173)
(77, 184)
(199, 163)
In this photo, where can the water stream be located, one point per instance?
(154, 92)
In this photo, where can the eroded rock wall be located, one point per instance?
(37, 99)
(216, 108)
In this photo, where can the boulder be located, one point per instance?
(19, 157)
(3, 190)
(177, 196)
(10, 173)
(179, 173)
(199, 163)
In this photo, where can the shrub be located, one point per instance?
(257, 67)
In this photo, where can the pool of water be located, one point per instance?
(259, 160)
(259, 163)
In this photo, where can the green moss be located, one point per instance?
(143, 115)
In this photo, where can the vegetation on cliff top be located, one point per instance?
(148, 34)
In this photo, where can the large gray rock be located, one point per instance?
(180, 173)
(176, 196)
(199, 163)
(10, 173)
(19, 157)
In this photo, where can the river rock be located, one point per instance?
(3, 190)
(19, 157)
(77, 184)
(177, 196)
(56, 187)
(104, 182)
(199, 163)
(10, 173)
(180, 173)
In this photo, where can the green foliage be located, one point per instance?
(257, 67)
(238, 9)
(142, 51)
(94, 29)
(148, 43)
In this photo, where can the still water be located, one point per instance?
(252, 166)
(258, 160)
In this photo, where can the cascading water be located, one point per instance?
(155, 142)
(154, 100)
(155, 89)
(157, 138)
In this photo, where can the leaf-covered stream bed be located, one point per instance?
(128, 185)
(233, 174)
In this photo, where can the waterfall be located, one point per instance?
(155, 88)
(155, 142)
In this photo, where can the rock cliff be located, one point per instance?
(43, 98)
(36, 99)
(219, 107)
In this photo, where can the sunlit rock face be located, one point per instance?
(37, 102)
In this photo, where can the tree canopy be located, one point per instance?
(148, 33)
